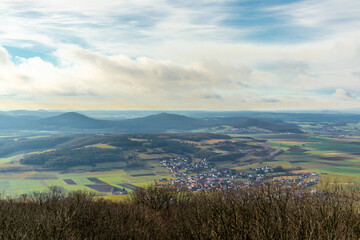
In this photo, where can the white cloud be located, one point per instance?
(331, 16)
(177, 54)
(111, 26)
(240, 76)
(91, 76)
(4, 56)
(343, 95)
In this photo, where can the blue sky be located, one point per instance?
(146, 54)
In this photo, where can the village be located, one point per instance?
(203, 175)
(243, 131)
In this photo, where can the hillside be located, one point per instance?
(10, 122)
(268, 124)
(164, 122)
(73, 120)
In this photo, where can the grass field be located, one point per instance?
(101, 145)
(338, 157)
(15, 183)
(10, 159)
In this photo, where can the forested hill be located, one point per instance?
(83, 150)
(154, 123)
(74, 120)
(163, 122)
(268, 124)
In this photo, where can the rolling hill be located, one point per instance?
(277, 126)
(73, 120)
(9, 122)
(164, 122)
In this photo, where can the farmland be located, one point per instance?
(140, 155)
(14, 183)
(139, 164)
(336, 157)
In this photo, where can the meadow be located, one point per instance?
(17, 183)
(337, 158)
(18, 178)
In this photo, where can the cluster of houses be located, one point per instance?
(304, 180)
(178, 166)
(204, 181)
(203, 175)
(266, 169)
(181, 166)
(329, 130)
(199, 175)
(244, 131)
(307, 180)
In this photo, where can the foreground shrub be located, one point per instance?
(267, 211)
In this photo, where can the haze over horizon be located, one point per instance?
(145, 54)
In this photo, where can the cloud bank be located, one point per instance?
(179, 54)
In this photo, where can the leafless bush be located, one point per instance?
(266, 211)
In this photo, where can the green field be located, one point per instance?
(16, 178)
(15, 183)
(339, 157)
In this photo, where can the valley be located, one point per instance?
(212, 151)
(228, 160)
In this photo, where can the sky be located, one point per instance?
(172, 54)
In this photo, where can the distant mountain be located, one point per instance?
(161, 122)
(28, 114)
(154, 123)
(164, 122)
(73, 120)
(10, 122)
(268, 124)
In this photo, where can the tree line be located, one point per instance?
(62, 159)
(167, 212)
